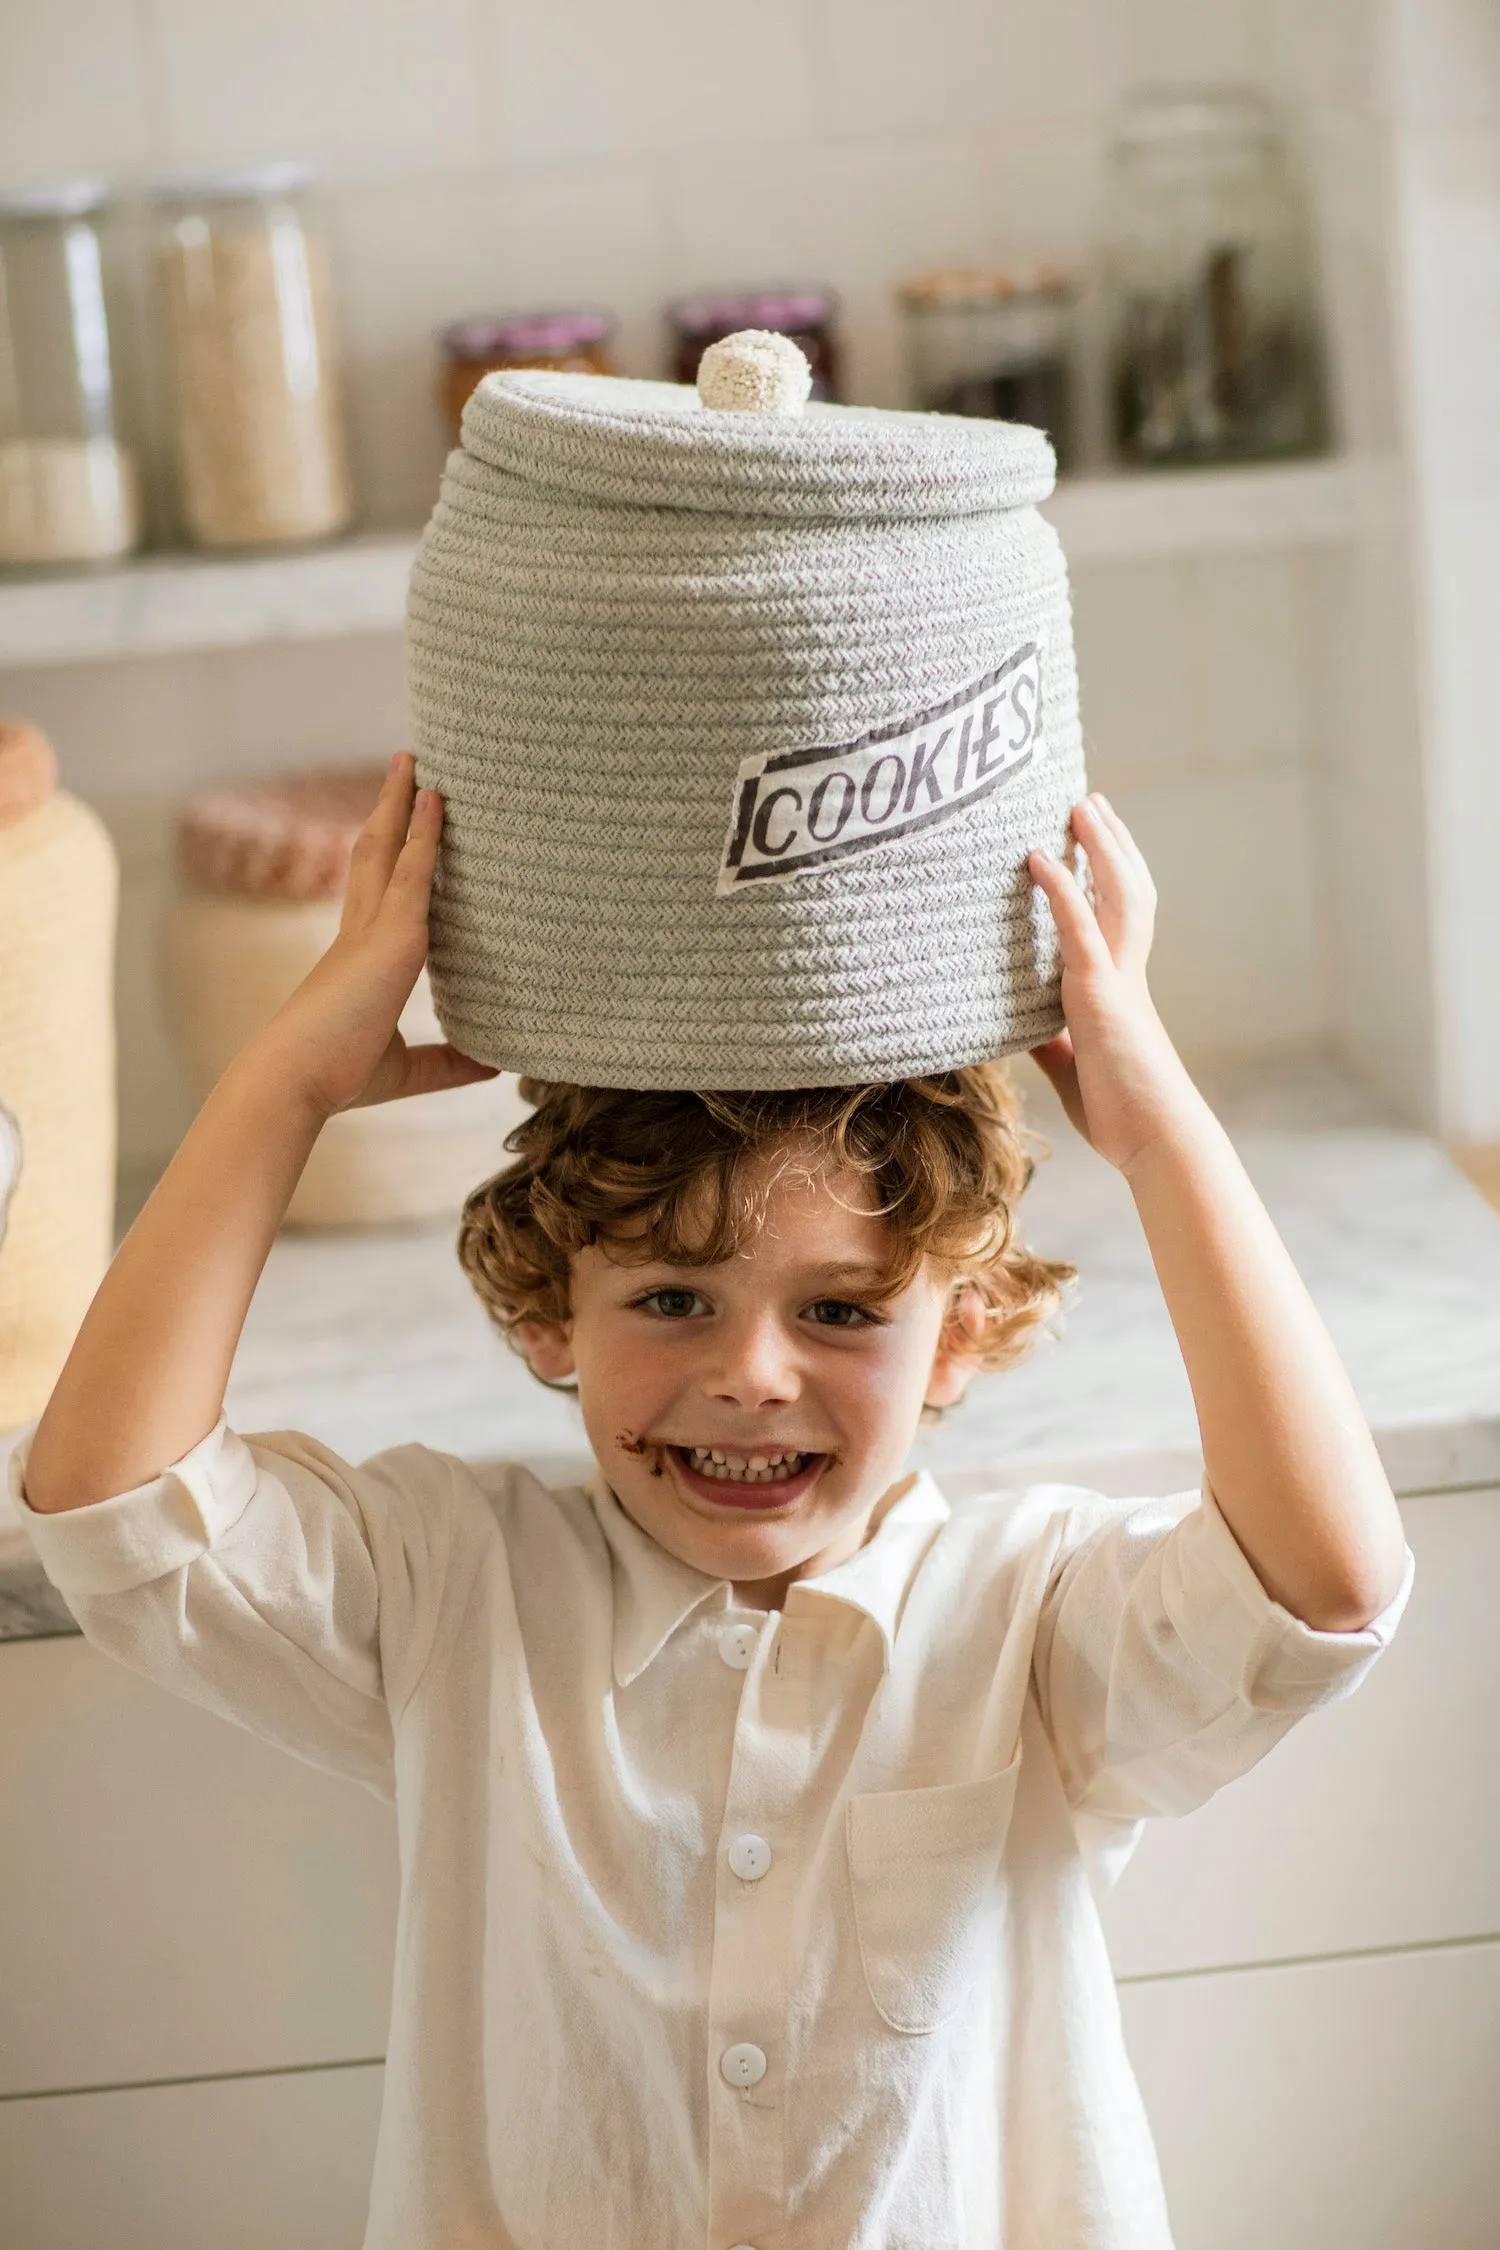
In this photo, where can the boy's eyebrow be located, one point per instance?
(850, 1269)
(846, 1272)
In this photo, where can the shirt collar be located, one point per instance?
(878, 1578)
(654, 1592)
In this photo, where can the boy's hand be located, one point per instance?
(336, 1038)
(1119, 1076)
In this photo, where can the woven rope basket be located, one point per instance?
(746, 723)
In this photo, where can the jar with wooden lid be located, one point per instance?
(250, 344)
(69, 481)
(262, 870)
(996, 342)
(575, 341)
(806, 314)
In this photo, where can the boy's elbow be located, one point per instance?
(1357, 1590)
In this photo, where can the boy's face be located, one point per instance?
(749, 1415)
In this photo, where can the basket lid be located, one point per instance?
(629, 443)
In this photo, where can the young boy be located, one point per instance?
(746, 1798)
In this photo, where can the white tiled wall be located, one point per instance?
(489, 152)
(1444, 95)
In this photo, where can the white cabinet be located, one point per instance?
(1339, 2100)
(280, 2163)
(1348, 2105)
(177, 1898)
(1376, 1822)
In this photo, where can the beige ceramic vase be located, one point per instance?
(58, 894)
(263, 871)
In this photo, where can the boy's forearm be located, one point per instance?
(146, 1377)
(1286, 1449)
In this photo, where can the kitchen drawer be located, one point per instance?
(1375, 1823)
(277, 2163)
(177, 1898)
(1321, 2107)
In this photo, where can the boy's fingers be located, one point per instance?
(378, 845)
(1127, 843)
(1111, 873)
(410, 884)
(437, 1069)
(1054, 1058)
(1082, 940)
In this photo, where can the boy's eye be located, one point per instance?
(838, 1312)
(671, 1304)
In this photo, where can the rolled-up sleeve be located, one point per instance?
(1164, 1668)
(270, 1581)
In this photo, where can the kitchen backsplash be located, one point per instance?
(481, 153)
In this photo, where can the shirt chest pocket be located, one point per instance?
(928, 1902)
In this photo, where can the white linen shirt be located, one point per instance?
(722, 1927)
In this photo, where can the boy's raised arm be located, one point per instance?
(147, 1374)
(1286, 1450)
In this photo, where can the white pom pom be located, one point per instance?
(754, 372)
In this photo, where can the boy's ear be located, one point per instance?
(548, 1349)
(956, 1360)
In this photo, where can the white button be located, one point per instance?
(737, 1646)
(749, 1857)
(743, 2065)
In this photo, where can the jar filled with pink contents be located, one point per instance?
(806, 314)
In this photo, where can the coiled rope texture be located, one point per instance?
(618, 598)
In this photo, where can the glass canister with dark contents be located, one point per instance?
(996, 343)
(1215, 343)
(575, 341)
(807, 315)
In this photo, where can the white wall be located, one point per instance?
(1441, 95)
(487, 153)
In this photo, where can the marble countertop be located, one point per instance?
(374, 1339)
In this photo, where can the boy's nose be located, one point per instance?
(756, 1365)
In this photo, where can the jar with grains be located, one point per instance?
(1215, 346)
(997, 343)
(69, 482)
(250, 342)
(806, 315)
(574, 342)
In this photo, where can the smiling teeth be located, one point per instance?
(740, 1468)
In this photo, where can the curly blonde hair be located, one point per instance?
(678, 1177)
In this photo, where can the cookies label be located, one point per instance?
(796, 811)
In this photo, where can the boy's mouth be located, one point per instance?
(745, 1480)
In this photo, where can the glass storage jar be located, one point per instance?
(1215, 353)
(575, 342)
(996, 343)
(251, 348)
(805, 314)
(69, 481)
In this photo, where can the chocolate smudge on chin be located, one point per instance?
(628, 1442)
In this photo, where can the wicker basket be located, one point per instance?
(746, 723)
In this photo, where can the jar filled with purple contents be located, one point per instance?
(805, 314)
(574, 340)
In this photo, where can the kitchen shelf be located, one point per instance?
(168, 605)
